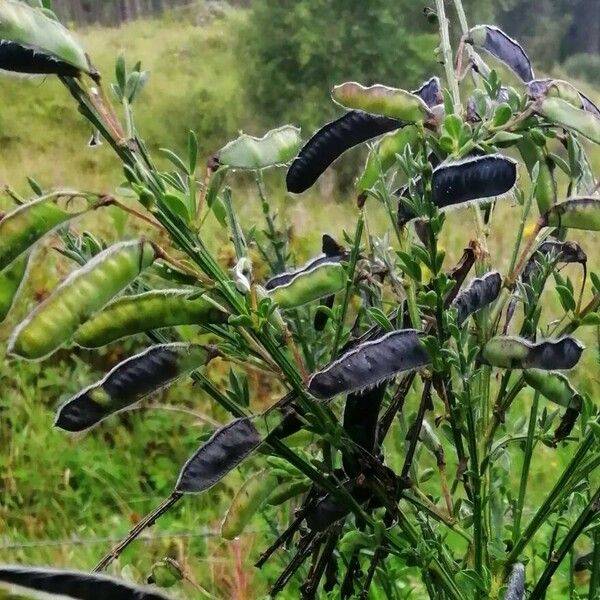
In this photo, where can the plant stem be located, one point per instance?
(447, 54)
(529, 446)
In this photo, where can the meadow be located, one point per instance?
(66, 499)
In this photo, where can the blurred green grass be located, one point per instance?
(65, 500)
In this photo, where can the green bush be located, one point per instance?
(583, 66)
(296, 51)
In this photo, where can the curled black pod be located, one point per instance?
(473, 179)
(565, 252)
(131, 381)
(567, 423)
(430, 92)
(478, 294)
(361, 413)
(518, 353)
(504, 48)
(370, 363)
(330, 142)
(73, 584)
(224, 451)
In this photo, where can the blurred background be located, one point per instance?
(216, 68)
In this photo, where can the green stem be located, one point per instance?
(529, 446)
(447, 54)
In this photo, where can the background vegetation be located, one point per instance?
(215, 69)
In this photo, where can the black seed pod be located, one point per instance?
(224, 451)
(515, 589)
(73, 584)
(480, 292)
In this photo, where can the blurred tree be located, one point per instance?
(295, 51)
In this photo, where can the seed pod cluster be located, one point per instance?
(382, 100)
(131, 381)
(538, 89)
(370, 363)
(157, 309)
(474, 179)
(80, 296)
(574, 213)
(517, 353)
(276, 148)
(480, 293)
(504, 48)
(33, 43)
(72, 584)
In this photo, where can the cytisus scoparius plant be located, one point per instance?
(395, 436)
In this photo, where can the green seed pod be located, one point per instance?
(564, 114)
(324, 279)
(131, 381)
(165, 573)
(546, 190)
(251, 497)
(157, 309)
(430, 440)
(574, 213)
(287, 490)
(275, 149)
(381, 100)
(517, 353)
(80, 296)
(384, 156)
(11, 280)
(553, 386)
(73, 584)
(31, 42)
(557, 388)
(504, 48)
(28, 224)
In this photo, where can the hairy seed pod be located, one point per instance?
(157, 309)
(11, 281)
(325, 279)
(287, 490)
(80, 296)
(553, 386)
(546, 191)
(27, 224)
(381, 100)
(131, 381)
(539, 88)
(33, 43)
(73, 584)
(331, 252)
(225, 450)
(251, 497)
(517, 353)
(515, 588)
(370, 363)
(474, 179)
(562, 113)
(479, 293)
(383, 157)
(276, 148)
(504, 48)
(330, 142)
(558, 389)
(574, 213)
(328, 509)
(361, 413)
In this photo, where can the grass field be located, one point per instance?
(65, 500)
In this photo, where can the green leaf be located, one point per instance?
(192, 152)
(121, 73)
(502, 115)
(175, 160)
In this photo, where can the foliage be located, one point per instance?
(584, 66)
(378, 319)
